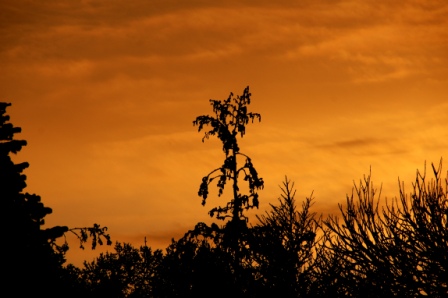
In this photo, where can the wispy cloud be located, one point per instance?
(108, 90)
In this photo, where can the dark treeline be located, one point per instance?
(372, 248)
(367, 251)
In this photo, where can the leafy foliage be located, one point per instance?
(96, 233)
(197, 265)
(127, 272)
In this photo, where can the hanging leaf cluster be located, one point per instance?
(96, 233)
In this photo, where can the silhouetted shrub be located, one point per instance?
(397, 250)
(284, 244)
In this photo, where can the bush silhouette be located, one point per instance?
(398, 250)
(284, 245)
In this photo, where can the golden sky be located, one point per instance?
(106, 92)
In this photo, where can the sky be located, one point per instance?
(106, 93)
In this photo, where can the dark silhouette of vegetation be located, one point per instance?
(127, 272)
(398, 250)
(200, 264)
(284, 245)
(32, 260)
(372, 248)
(229, 122)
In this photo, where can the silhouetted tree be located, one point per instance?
(275, 256)
(32, 261)
(419, 225)
(229, 122)
(283, 245)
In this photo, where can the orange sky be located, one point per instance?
(106, 92)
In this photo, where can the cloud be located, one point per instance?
(106, 92)
(97, 40)
(368, 147)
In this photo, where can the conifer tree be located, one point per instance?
(32, 261)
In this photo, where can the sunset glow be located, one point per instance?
(106, 91)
